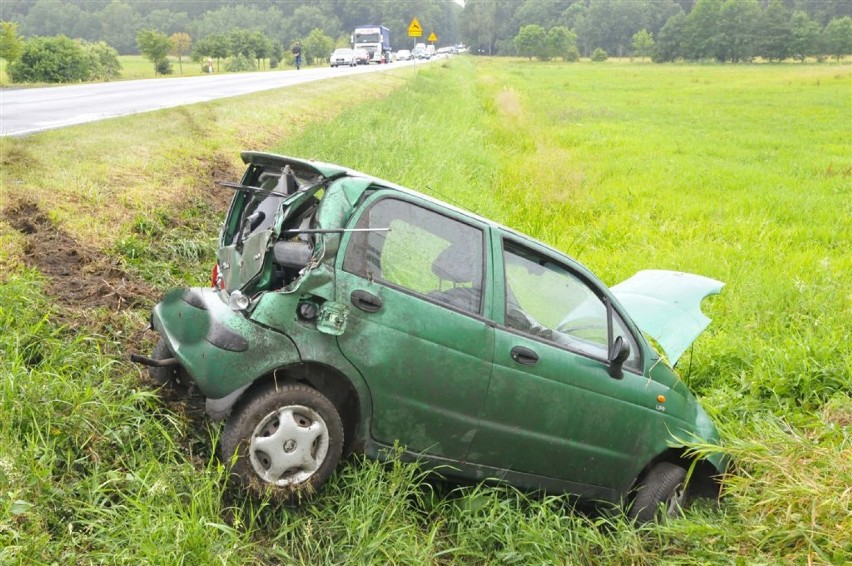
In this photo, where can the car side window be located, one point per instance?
(546, 300)
(423, 251)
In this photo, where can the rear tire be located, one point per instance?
(661, 494)
(285, 442)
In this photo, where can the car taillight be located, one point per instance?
(214, 278)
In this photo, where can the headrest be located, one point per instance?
(457, 263)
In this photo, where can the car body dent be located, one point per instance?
(667, 306)
(215, 370)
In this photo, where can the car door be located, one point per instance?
(414, 278)
(553, 409)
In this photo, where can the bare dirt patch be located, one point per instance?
(77, 276)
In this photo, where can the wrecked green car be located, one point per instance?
(350, 314)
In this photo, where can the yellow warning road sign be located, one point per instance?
(414, 29)
(432, 37)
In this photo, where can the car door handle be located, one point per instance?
(524, 356)
(365, 301)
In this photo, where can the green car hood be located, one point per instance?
(666, 305)
(304, 166)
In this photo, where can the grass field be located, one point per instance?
(740, 173)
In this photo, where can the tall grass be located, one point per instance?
(738, 173)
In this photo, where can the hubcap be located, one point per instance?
(288, 445)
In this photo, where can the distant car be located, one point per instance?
(342, 56)
(349, 314)
(361, 56)
(403, 55)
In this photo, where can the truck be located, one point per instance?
(375, 40)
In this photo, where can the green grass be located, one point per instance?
(741, 173)
(137, 67)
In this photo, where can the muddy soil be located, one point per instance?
(77, 276)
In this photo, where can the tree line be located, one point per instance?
(245, 36)
(667, 30)
(722, 30)
(117, 22)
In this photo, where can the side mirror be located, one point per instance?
(618, 353)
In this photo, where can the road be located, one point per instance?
(28, 110)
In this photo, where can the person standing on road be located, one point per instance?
(297, 51)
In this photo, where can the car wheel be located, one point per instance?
(661, 494)
(286, 441)
(173, 376)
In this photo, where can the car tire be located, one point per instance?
(284, 442)
(661, 494)
(171, 376)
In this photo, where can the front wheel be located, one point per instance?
(285, 441)
(660, 494)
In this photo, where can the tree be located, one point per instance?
(50, 18)
(738, 21)
(11, 44)
(240, 43)
(610, 24)
(277, 53)
(310, 17)
(599, 55)
(51, 60)
(167, 21)
(805, 36)
(774, 32)
(670, 43)
(561, 42)
(317, 46)
(702, 39)
(530, 41)
(155, 46)
(120, 23)
(181, 43)
(837, 37)
(643, 43)
(261, 46)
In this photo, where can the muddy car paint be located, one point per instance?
(450, 384)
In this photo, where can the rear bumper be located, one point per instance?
(221, 349)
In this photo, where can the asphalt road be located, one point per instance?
(28, 110)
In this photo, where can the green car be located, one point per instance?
(348, 314)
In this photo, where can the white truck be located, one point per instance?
(375, 40)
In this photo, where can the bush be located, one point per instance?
(240, 63)
(51, 60)
(599, 55)
(163, 67)
(572, 55)
(103, 61)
